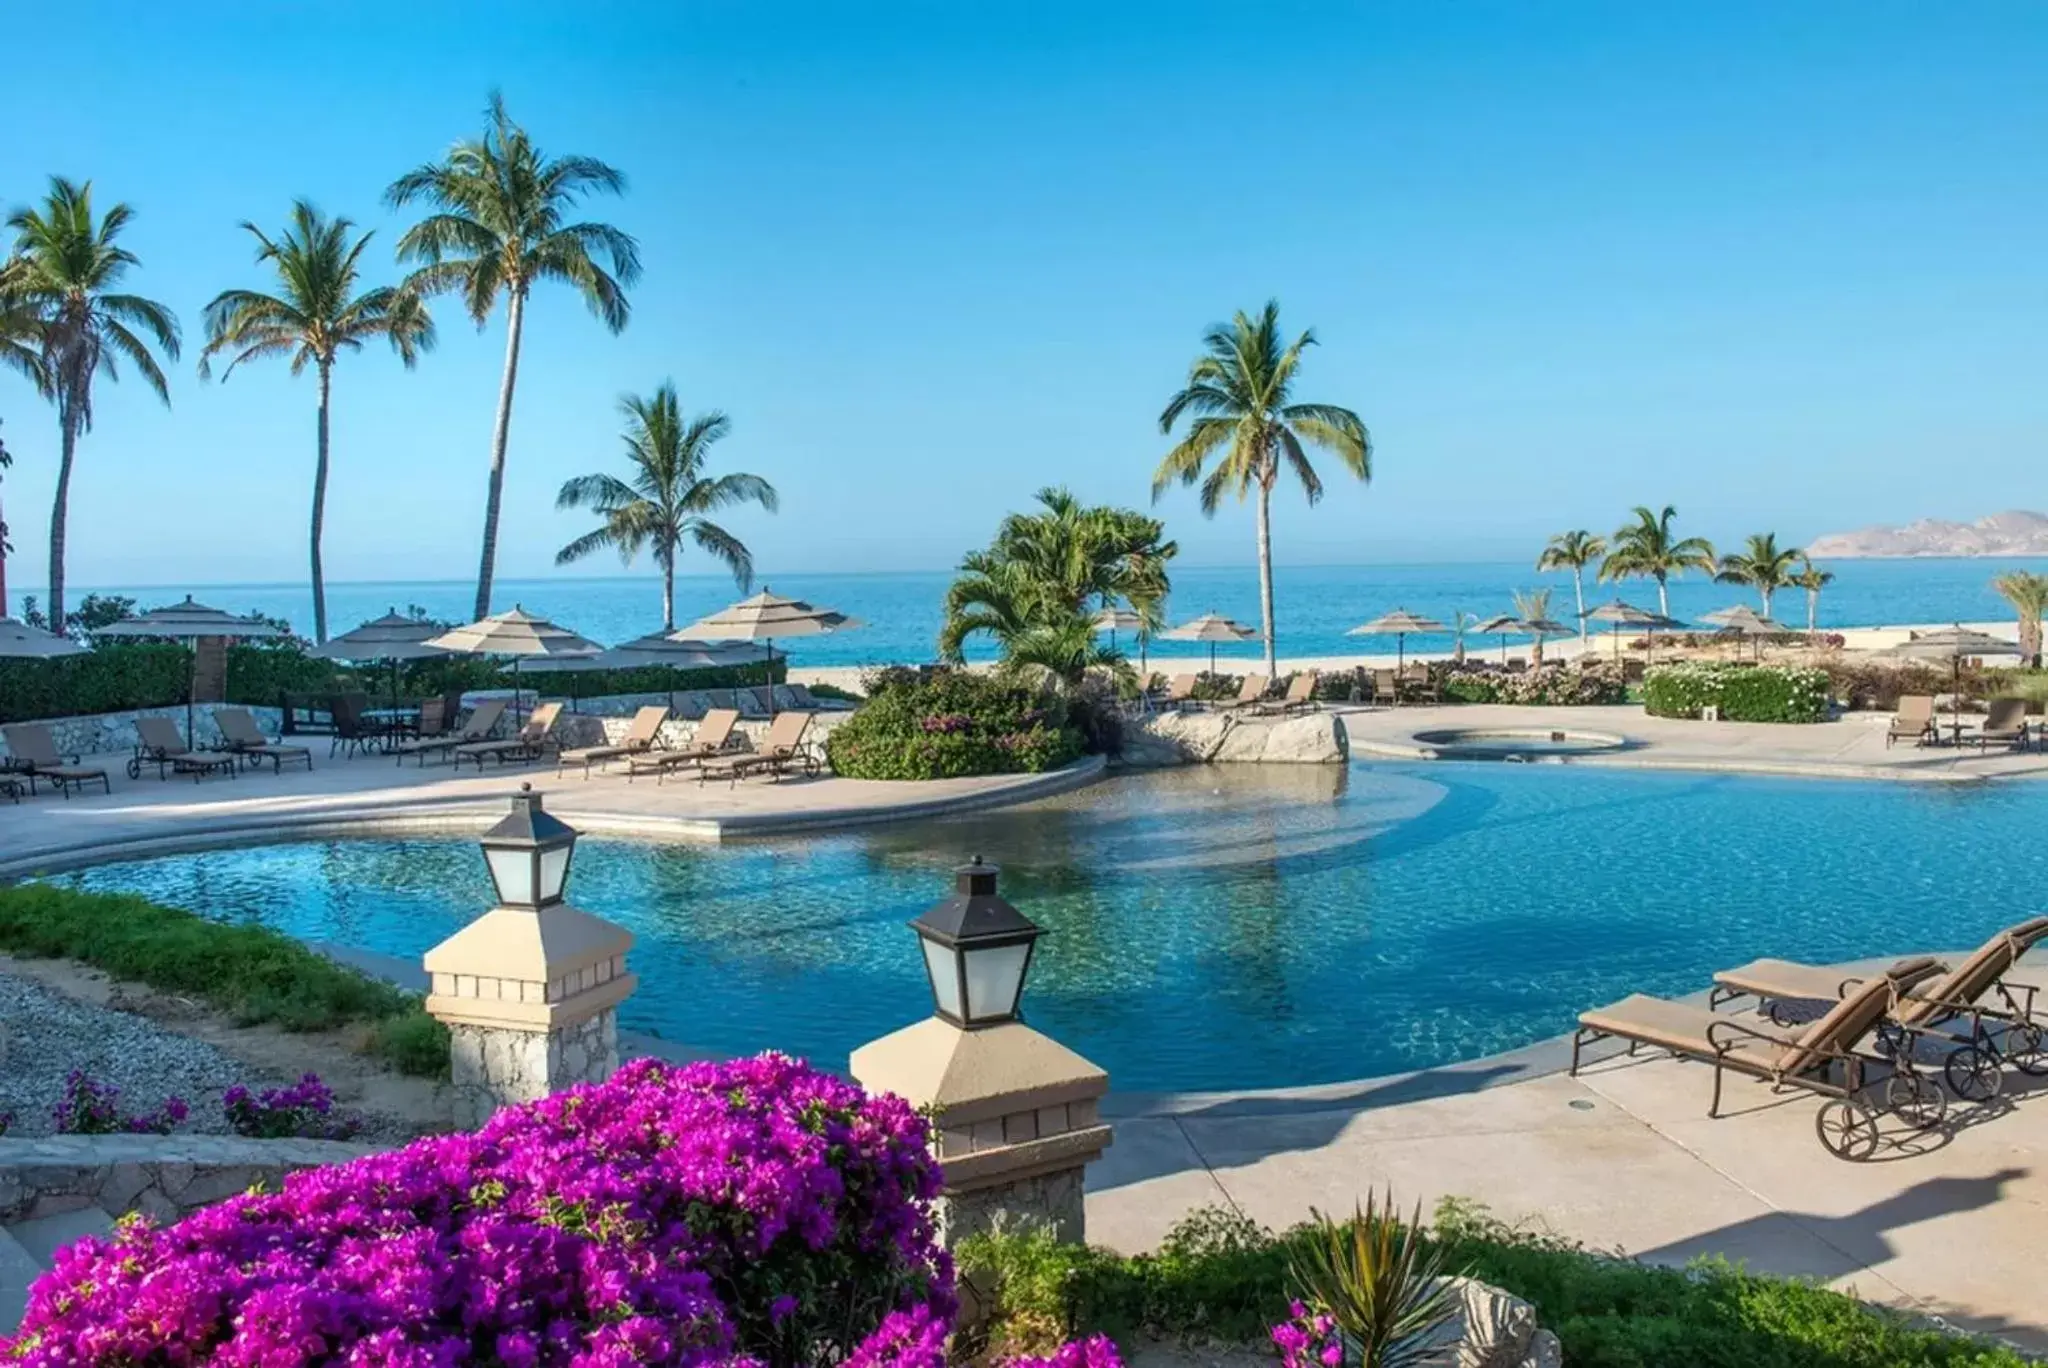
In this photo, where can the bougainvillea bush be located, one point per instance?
(753, 1212)
(946, 724)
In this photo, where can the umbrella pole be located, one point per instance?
(191, 688)
(771, 679)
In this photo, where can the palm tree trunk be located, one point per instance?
(67, 423)
(1579, 593)
(515, 317)
(3, 561)
(1812, 612)
(1663, 598)
(1266, 569)
(668, 593)
(1765, 594)
(320, 511)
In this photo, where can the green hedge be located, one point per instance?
(949, 724)
(1743, 693)
(253, 974)
(1549, 686)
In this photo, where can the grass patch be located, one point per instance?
(1221, 1278)
(254, 975)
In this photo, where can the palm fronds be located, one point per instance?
(1380, 1280)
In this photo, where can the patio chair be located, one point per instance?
(1417, 684)
(36, 757)
(1821, 1057)
(713, 736)
(1516, 664)
(1249, 692)
(158, 743)
(1386, 688)
(1979, 1010)
(779, 750)
(530, 742)
(483, 720)
(801, 699)
(754, 705)
(1633, 670)
(643, 735)
(1300, 696)
(354, 731)
(1914, 721)
(241, 736)
(1180, 692)
(2005, 723)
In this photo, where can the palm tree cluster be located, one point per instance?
(1649, 548)
(2028, 594)
(1039, 586)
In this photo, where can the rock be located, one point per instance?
(1544, 1351)
(1174, 738)
(1311, 739)
(1490, 1328)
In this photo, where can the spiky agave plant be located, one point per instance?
(1379, 1280)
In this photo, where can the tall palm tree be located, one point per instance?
(65, 269)
(316, 316)
(1763, 565)
(665, 501)
(2028, 594)
(1574, 551)
(1533, 605)
(1812, 579)
(19, 333)
(1238, 398)
(1646, 549)
(500, 225)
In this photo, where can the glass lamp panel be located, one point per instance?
(512, 872)
(994, 978)
(554, 872)
(945, 977)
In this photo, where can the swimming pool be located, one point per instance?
(1234, 926)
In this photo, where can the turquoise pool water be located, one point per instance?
(1241, 926)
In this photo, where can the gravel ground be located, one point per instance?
(47, 1036)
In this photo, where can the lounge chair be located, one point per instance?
(1300, 696)
(1984, 1014)
(1180, 692)
(782, 748)
(354, 730)
(158, 743)
(1417, 684)
(1249, 692)
(801, 699)
(2005, 723)
(643, 735)
(242, 737)
(1386, 688)
(36, 757)
(1913, 722)
(756, 705)
(483, 720)
(530, 742)
(713, 736)
(1821, 1057)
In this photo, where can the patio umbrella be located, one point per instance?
(19, 641)
(767, 616)
(1504, 626)
(1622, 615)
(1398, 624)
(1955, 645)
(1744, 621)
(1211, 628)
(1113, 619)
(188, 621)
(391, 639)
(517, 636)
(655, 651)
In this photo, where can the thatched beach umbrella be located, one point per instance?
(1507, 625)
(1621, 615)
(1955, 645)
(517, 636)
(1112, 620)
(391, 639)
(188, 621)
(1212, 628)
(1744, 621)
(1398, 624)
(767, 617)
(19, 641)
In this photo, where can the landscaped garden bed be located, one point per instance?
(1738, 693)
(948, 724)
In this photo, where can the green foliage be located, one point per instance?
(254, 974)
(1583, 685)
(1648, 549)
(1743, 693)
(947, 724)
(1378, 1277)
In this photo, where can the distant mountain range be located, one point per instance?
(2014, 533)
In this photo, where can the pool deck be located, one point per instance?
(1851, 747)
(371, 795)
(1623, 1158)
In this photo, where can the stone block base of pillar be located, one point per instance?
(496, 1066)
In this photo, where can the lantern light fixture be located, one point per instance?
(977, 951)
(528, 854)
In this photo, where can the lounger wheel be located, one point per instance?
(1847, 1129)
(2026, 1048)
(1918, 1101)
(1973, 1073)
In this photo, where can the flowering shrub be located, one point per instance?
(304, 1111)
(1548, 685)
(1097, 1351)
(753, 1210)
(90, 1108)
(943, 724)
(1308, 1341)
(1743, 693)
(6, 1120)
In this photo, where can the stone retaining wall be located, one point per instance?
(114, 733)
(162, 1176)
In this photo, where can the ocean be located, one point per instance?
(1315, 604)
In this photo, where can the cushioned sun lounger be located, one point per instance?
(241, 736)
(158, 743)
(712, 737)
(2005, 723)
(528, 743)
(483, 719)
(1180, 691)
(781, 748)
(36, 756)
(1300, 695)
(641, 736)
(1248, 694)
(1913, 722)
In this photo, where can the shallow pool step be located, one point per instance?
(18, 1268)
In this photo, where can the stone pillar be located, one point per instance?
(531, 1000)
(1015, 1121)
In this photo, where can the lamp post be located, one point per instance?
(530, 990)
(1016, 1115)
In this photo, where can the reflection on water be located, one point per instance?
(1229, 926)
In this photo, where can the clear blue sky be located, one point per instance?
(1780, 265)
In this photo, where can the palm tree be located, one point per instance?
(1238, 400)
(1812, 579)
(1762, 564)
(1645, 549)
(19, 332)
(2028, 594)
(665, 501)
(1034, 634)
(1533, 605)
(65, 267)
(499, 227)
(316, 316)
(1574, 551)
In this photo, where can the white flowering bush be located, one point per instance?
(1743, 693)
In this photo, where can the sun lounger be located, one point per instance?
(1386, 687)
(483, 720)
(1913, 722)
(1300, 696)
(1821, 1057)
(755, 705)
(242, 737)
(36, 756)
(2005, 723)
(158, 743)
(1180, 692)
(1249, 692)
(713, 735)
(354, 730)
(1978, 1009)
(530, 742)
(641, 736)
(782, 748)
(801, 699)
